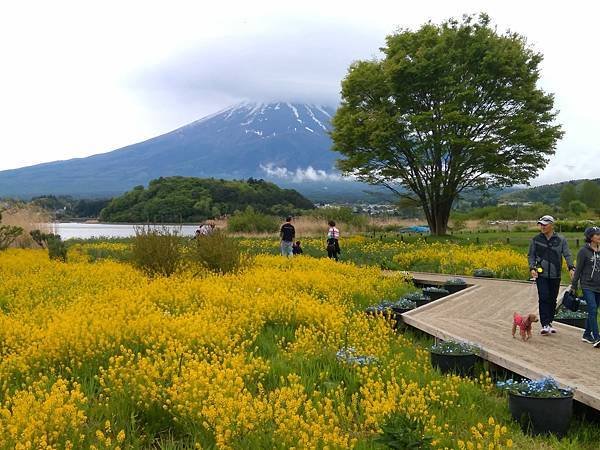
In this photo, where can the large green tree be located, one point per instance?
(448, 108)
(590, 194)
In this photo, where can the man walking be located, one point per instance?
(546, 252)
(287, 234)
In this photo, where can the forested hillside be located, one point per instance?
(187, 199)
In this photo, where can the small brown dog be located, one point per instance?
(524, 324)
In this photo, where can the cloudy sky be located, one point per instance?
(80, 78)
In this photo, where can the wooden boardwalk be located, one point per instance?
(482, 314)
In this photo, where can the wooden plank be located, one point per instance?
(482, 314)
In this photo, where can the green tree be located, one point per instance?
(8, 234)
(449, 107)
(590, 194)
(577, 207)
(567, 194)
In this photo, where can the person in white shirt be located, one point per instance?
(333, 245)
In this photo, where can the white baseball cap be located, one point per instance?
(546, 220)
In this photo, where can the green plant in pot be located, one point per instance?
(540, 406)
(454, 357)
(435, 293)
(419, 298)
(453, 285)
(484, 273)
(573, 318)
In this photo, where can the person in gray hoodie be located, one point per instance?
(546, 252)
(588, 275)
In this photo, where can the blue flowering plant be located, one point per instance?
(387, 306)
(457, 348)
(349, 356)
(435, 290)
(546, 387)
(414, 296)
(456, 281)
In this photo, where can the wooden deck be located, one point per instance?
(482, 314)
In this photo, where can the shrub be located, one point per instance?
(8, 234)
(400, 432)
(251, 221)
(56, 247)
(157, 251)
(218, 253)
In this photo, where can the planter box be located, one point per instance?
(397, 316)
(542, 415)
(453, 288)
(422, 301)
(458, 364)
(435, 295)
(579, 323)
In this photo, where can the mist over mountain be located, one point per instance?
(287, 143)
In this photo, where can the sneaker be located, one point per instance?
(588, 340)
(545, 331)
(597, 344)
(551, 330)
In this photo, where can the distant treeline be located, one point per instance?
(187, 199)
(67, 207)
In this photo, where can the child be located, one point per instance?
(296, 249)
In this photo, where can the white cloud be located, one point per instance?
(299, 175)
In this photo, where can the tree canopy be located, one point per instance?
(188, 199)
(448, 108)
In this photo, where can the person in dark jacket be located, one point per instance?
(546, 252)
(588, 275)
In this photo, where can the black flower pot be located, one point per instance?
(582, 306)
(397, 316)
(435, 295)
(458, 364)
(422, 301)
(579, 323)
(453, 288)
(542, 415)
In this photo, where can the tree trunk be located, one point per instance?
(437, 217)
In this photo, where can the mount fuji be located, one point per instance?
(287, 143)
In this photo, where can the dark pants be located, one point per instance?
(592, 299)
(547, 293)
(333, 248)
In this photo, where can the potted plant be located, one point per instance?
(484, 273)
(574, 318)
(419, 298)
(453, 285)
(454, 357)
(435, 293)
(582, 305)
(540, 406)
(384, 308)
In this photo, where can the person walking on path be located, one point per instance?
(333, 244)
(287, 234)
(546, 252)
(588, 274)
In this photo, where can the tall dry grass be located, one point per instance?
(29, 218)
(307, 226)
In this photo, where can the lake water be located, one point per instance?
(68, 230)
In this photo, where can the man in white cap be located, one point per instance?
(546, 252)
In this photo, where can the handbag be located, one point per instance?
(570, 301)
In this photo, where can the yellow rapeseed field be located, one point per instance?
(97, 355)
